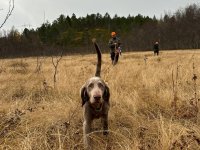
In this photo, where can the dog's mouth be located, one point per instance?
(97, 106)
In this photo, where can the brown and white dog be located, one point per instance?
(95, 101)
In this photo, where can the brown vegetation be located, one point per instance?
(33, 115)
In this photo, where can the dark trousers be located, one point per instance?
(112, 55)
(156, 52)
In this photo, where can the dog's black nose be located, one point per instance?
(97, 98)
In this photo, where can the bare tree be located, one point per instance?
(55, 64)
(10, 10)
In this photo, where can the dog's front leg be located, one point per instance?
(105, 124)
(86, 131)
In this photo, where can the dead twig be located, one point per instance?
(10, 10)
(55, 64)
(39, 64)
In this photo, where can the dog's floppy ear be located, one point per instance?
(84, 95)
(106, 94)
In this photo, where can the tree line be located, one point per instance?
(72, 34)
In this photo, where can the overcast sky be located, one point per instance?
(32, 13)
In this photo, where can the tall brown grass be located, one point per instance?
(141, 116)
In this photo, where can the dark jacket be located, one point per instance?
(156, 47)
(112, 42)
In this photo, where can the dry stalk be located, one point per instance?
(175, 88)
(59, 139)
(2, 69)
(194, 101)
(47, 88)
(107, 71)
(39, 64)
(145, 60)
(55, 64)
(194, 78)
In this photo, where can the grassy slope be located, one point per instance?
(141, 115)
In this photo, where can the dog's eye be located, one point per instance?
(100, 85)
(91, 85)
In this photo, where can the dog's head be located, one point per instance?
(96, 92)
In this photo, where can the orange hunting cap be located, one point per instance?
(113, 33)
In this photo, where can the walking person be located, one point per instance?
(156, 48)
(114, 45)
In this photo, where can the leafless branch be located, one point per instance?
(55, 64)
(10, 10)
(40, 60)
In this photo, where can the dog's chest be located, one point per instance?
(97, 114)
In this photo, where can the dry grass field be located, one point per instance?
(153, 103)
